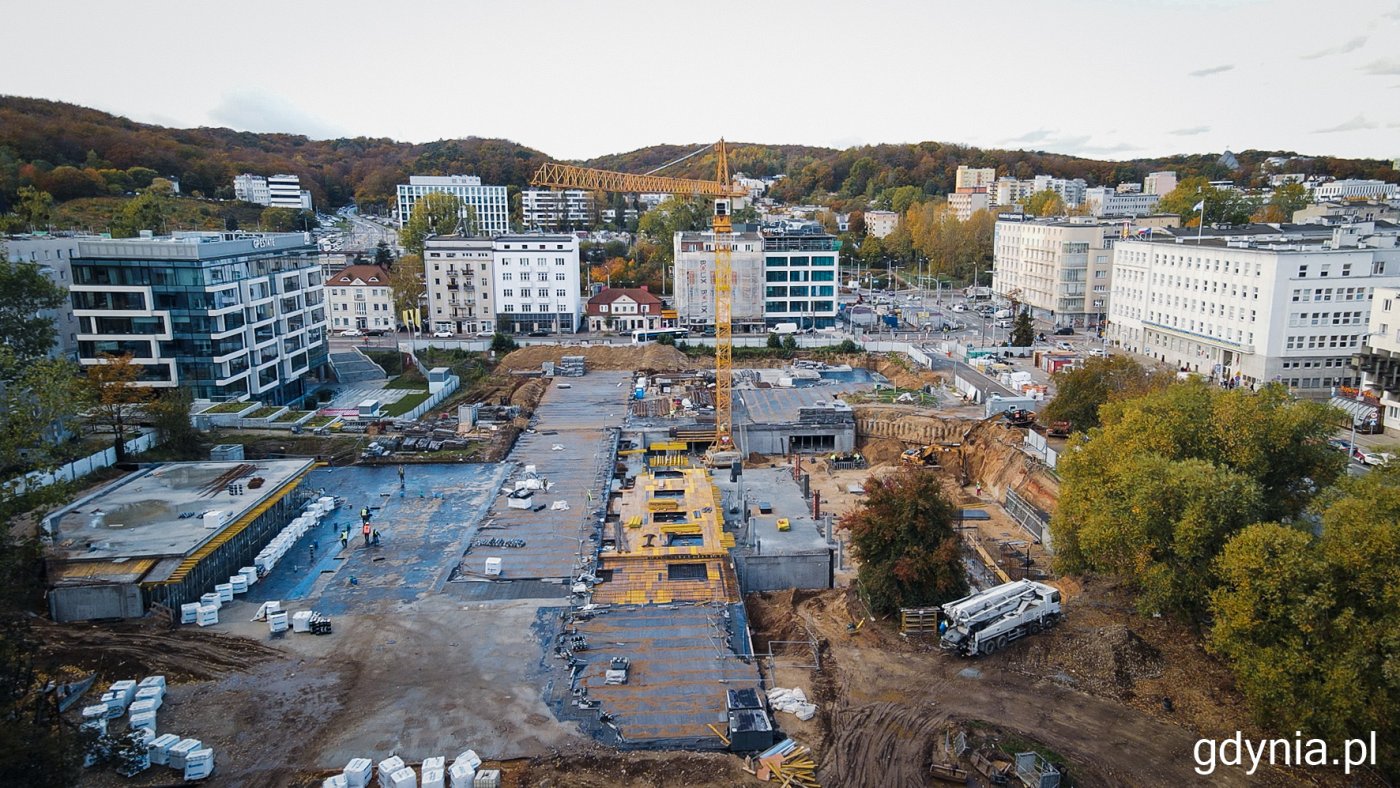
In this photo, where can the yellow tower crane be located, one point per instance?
(566, 176)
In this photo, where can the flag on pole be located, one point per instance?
(1200, 206)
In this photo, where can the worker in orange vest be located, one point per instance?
(365, 530)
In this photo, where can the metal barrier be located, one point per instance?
(1028, 516)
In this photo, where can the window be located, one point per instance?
(558, 261)
(506, 277)
(508, 308)
(561, 292)
(559, 276)
(542, 276)
(508, 293)
(1302, 272)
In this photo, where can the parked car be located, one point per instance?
(444, 334)
(538, 334)
(1377, 458)
(1062, 345)
(1339, 445)
(1064, 331)
(351, 332)
(486, 334)
(376, 332)
(1097, 351)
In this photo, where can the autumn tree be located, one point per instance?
(115, 396)
(34, 208)
(406, 279)
(1044, 203)
(1081, 391)
(170, 415)
(1310, 624)
(1286, 200)
(905, 539)
(146, 211)
(1223, 206)
(675, 214)
(1153, 494)
(434, 213)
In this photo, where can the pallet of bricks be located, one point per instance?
(786, 763)
(571, 366)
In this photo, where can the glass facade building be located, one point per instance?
(227, 315)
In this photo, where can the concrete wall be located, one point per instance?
(774, 438)
(84, 603)
(777, 572)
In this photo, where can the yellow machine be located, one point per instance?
(723, 450)
(784, 524)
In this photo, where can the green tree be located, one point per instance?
(1153, 494)
(34, 208)
(1080, 392)
(905, 541)
(25, 292)
(276, 219)
(146, 211)
(790, 343)
(675, 214)
(1310, 625)
(433, 214)
(1044, 203)
(1286, 199)
(1022, 331)
(502, 343)
(382, 255)
(775, 342)
(406, 279)
(170, 415)
(1224, 206)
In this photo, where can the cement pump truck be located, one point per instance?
(985, 622)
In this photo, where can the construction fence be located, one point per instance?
(106, 458)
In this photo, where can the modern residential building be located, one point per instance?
(1159, 183)
(975, 177)
(52, 256)
(360, 297)
(1071, 190)
(276, 191)
(967, 201)
(799, 275)
(1353, 189)
(488, 204)
(1254, 304)
(1009, 191)
(1376, 401)
(624, 309)
(880, 223)
(459, 272)
(1060, 268)
(1103, 201)
(544, 209)
(536, 283)
(226, 315)
(1350, 211)
(694, 281)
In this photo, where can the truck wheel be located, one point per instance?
(1001, 643)
(990, 647)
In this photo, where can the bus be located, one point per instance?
(641, 335)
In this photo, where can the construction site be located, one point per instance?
(649, 586)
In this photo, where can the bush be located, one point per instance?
(790, 343)
(848, 346)
(501, 343)
(775, 341)
(666, 339)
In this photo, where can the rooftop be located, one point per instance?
(360, 276)
(194, 245)
(784, 405)
(166, 510)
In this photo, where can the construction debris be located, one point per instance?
(786, 763)
(792, 701)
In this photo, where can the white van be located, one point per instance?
(783, 328)
(1002, 313)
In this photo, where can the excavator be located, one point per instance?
(927, 456)
(1019, 417)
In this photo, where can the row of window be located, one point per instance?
(1328, 363)
(1325, 319)
(1315, 342)
(541, 309)
(377, 307)
(540, 276)
(538, 261)
(804, 307)
(374, 291)
(543, 292)
(795, 262)
(1326, 293)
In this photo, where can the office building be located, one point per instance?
(276, 191)
(880, 223)
(975, 178)
(570, 209)
(360, 297)
(694, 281)
(1159, 183)
(488, 204)
(624, 309)
(1103, 201)
(459, 272)
(1254, 304)
(226, 315)
(536, 283)
(799, 276)
(1060, 268)
(1352, 189)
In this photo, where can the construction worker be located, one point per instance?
(366, 530)
(364, 516)
(374, 539)
(344, 538)
(400, 475)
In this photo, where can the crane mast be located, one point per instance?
(567, 176)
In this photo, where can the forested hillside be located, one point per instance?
(73, 152)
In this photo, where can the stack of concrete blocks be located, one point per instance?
(159, 748)
(387, 767)
(434, 773)
(487, 778)
(180, 752)
(357, 772)
(572, 366)
(199, 764)
(462, 774)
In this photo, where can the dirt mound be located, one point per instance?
(890, 743)
(128, 650)
(635, 770)
(651, 357)
(1108, 660)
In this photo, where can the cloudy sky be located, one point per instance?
(575, 79)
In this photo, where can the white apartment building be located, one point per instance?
(52, 256)
(1009, 191)
(1061, 269)
(1159, 183)
(965, 202)
(1103, 201)
(459, 274)
(799, 279)
(544, 209)
(226, 315)
(1070, 190)
(1378, 396)
(880, 223)
(1352, 189)
(536, 283)
(489, 203)
(276, 191)
(975, 177)
(694, 285)
(1252, 305)
(359, 297)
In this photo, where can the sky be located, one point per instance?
(1112, 79)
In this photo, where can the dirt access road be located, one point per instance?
(885, 703)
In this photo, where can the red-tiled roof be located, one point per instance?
(613, 293)
(368, 276)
